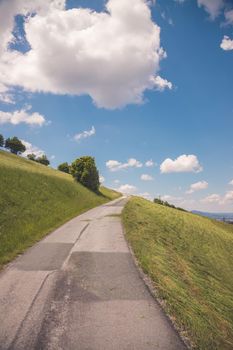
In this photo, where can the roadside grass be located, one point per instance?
(189, 258)
(35, 199)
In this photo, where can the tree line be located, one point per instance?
(16, 146)
(83, 169)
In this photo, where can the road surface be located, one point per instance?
(78, 289)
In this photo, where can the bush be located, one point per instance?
(43, 160)
(15, 145)
(64, 167)
(84, 171)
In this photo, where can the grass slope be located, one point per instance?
(34, 200)
(189, 258)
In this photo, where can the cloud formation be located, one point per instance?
(149, 163)
(198, 186)
(213, 7)
(227, 43)
(114, 165)
(71, 52)
(30, 149)
(127, 189)
(146, 177)
(22, 116)
(182, 164)
(85, 134)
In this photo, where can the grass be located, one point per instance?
(189, 258)
(34, 200)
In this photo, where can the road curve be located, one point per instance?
(78, 289)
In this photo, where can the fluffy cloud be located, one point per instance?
(84, 134)
(213, 7)
(161, 84)
(231, 182)
(227, 43)
(31, 149)
(201, 185)
(228, 196)
(146, 177)
(184, 163)
(127, 189)
(216, 198)
(71, 52)
(114, 165)
(22, 116)
(149, 163)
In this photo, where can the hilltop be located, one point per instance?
(35, 199)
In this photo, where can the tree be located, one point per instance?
(32, 157)
(64, 167)
(43, 160)
(84, 170)
(15, 145)
(1, 141)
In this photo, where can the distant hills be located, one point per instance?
(217, 216)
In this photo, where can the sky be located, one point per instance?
(145, 87)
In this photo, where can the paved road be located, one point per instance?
(78, 289)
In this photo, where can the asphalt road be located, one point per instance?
(78, 289)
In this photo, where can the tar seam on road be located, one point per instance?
(39, 290)
(80, 235)
(29, 309)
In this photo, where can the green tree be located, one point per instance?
(43, 160)
(64, 167)
(32, 156)
(15, 145)
(1, 141)
(84, 170)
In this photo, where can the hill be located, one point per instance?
(189, 258)
(35, 199)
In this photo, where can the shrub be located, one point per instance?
(64, 167)
(84, 170)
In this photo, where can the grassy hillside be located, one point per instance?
(189, 258)
(34, 200)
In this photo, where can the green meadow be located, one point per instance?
(35, 199)
(190, 260)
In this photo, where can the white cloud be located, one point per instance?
(227, 43)
(198, 186)
(146, 177)
(71, 52)
(30, 149)
(114, 165)
(231, 182)
(213, 198)
(228, 196)
(22, 116)
(161, 84)
(102, 179)
(146, 195)
(85, 134)
(127, 189)
(184, 163)
(229, 16)
(116, 181)
(213, 7)
(149, 163)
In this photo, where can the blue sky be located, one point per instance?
(183, 123)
